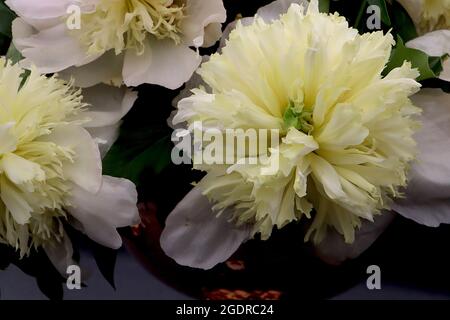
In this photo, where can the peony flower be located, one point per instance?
(428, 15)
(50, 165)
(432, 19)
(347, 137)
(129, 41)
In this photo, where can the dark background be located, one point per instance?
(134, 282)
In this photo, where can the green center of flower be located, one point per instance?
(126, 24)
(298, 117)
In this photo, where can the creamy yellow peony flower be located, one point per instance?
(50, 165)
(347, 131)
(33, 186)
(429, 15)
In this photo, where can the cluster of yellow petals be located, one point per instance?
(347, 155)
(33, 183)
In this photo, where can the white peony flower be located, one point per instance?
(119, 41)
(428, 15)
(347, 159)
(432, 20)
(50, 165)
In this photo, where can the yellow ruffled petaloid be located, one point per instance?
(347, 152)
(33, 185)
(126, 24)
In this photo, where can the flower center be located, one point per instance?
(126, 24)
(297, 116)
(436, 15)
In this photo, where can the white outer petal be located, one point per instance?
(268, 13)
(445, 74)
(43, 14)
(428, 193)
(273, 10)
(60, 254)
(108, 105)
(195, 237)
(106, 69)
(105, 137)
(163, 63)
(40, 14)
(100, 214)
(50, 50)
(436, 43)
(333, 249)
(199, 15)
(86, 171)
(213, 32)
(42, 9)
(194, 82)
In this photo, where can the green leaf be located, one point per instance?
(324, 6)
(384, 10)
(437, 63)
(157, 157)
(361, 11)
(13, 54)
(402, 23)
(128, 160)
(6, 18)
(429, 67)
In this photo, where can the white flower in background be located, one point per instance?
(428, 15)
(346, 157)
(432, 19)
(50, 165)
(120, 41)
